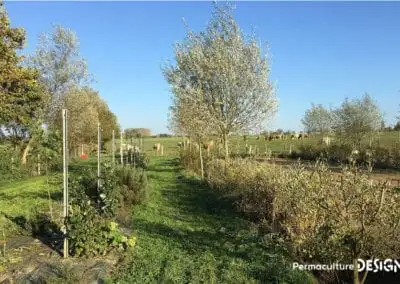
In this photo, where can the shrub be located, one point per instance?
(133, 186)
(190, 159)
(379, 157)
(91, 226)
(325, 217)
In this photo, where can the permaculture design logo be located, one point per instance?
(370, 265)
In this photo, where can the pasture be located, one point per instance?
(237, 144)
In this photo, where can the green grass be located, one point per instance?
(186, 235)
(21, 199)
(237, 143)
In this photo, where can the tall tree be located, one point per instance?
(60, 65)
(317, 119)
(86, 109)
(21, 95)
(225, 73)
(137, 132)
(356, 119)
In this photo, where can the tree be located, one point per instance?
(357, 119)
(60, 65)
(317, 119)
(190, 118)
(86, 109)
(225, 75)
(21, 95)
(137, 132)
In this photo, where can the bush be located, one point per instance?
(10, 168)
(379, 157)
(324, 216)
(91, 225)
(139, 159)
(133, 186)
(190, 159)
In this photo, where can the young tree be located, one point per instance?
(224, 73)
(317, 119)
(60, 65)
(21, 95)
(357, 119)
(190, 118)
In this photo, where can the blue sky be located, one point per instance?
(321, 52)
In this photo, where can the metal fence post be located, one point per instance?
(65, 173)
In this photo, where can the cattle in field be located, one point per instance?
(157, 147)
(207, 146)
(180, 144)
(295, 136)
(326, 140)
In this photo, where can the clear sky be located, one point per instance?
(321, 52)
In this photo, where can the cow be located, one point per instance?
(326, 140)
(180, 144)
(207, 146)
(157, 147)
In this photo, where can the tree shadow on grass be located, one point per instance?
(55, 196)
(41, 227)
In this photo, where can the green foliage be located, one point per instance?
(190, 159)
(138, 159)
(317, 119)
(134, 186)
(356, 119)
(92, 230)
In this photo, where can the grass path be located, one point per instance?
(186, 235)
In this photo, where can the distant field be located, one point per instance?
(238, 145)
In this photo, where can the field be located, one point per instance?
(238, 145)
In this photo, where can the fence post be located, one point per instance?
(98, 155)
(162, 150)
(121, 151)
(38, 165)
(65, 173)
(113, 147)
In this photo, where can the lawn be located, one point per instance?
(20, 200)
(186, 235)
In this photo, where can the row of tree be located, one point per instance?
(34, 89)
(353, 121)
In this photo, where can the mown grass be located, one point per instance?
(186, 235)
(20, 200)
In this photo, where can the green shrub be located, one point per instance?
(133, 186)
(190, 159)
(91, 226)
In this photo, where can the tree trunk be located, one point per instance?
(25, 152)
(201, 162)
(225, 140)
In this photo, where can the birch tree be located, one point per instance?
(224, 73)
